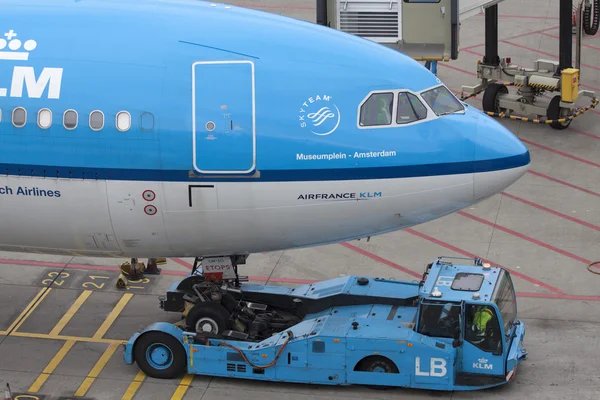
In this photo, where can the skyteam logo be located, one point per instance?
(320, 115)
(13, 49)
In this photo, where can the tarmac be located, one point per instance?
(63, 319)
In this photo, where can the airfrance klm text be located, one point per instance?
(340, 196)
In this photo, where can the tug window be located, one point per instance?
(483, 328)
(410, 109)
(377, 110)
(439, 319)
(505, 298)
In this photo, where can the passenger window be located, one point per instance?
(147, 121)
(483, 328)
(19, 117)
(410, 109)
(123, 121)
(439, 319)
(70, 119)
(377, 110)
(96, 120)
(44, 118)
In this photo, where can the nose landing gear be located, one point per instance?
(212, 303)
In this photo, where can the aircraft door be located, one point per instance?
(223, 119)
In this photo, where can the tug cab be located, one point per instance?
(473, 308)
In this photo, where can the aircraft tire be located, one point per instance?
(229, 302)
(591, 21)
(553, 112)
(205, 316)
(490, 97)
(160, 355)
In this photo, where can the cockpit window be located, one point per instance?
(410, 109)
(441, 101)
(377, 110)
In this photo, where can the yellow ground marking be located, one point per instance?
(68, 338)
(183, 387)
(39, 297)
(113, 316)
(134, 386)
(39, 382)
(89, 380)
(70, 313)
(67, 346)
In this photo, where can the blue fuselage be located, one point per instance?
(141, 57)
(149, 121)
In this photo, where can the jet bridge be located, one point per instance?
(426, 30)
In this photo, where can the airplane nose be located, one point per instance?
(501, 158)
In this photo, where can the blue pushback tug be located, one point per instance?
(456, 329)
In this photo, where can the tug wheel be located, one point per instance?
(490, 97)
(160, 355)
(377, 364)
(208, 318)
(555, 111)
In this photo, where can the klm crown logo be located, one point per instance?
(14, 47)
(26, 81)
(482, 364)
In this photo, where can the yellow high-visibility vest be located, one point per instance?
(482, 317)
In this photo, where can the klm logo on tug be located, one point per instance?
(482, 364)
(11, 49)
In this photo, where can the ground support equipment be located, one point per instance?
(135, 270)
(547, 76)
(340, 331)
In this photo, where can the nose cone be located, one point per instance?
(500, 158)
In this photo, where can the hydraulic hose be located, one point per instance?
(591, 17)
(241, 353)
